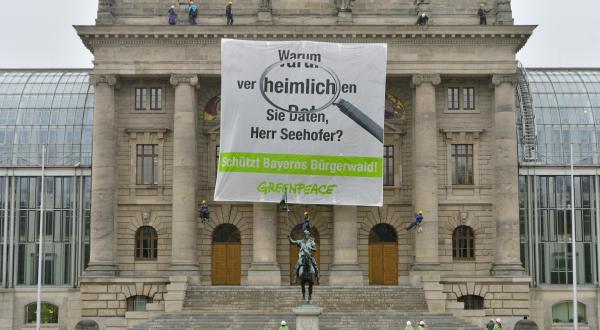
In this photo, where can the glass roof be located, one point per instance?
(567, 110)
(52, 108)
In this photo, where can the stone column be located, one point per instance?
(425, 166)
(183, 248)
(345, 269)
(104, 178)
(506, 203)
(264, 269)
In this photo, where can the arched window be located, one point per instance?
(471, 301)
(227, 233)
(563, 312)
(146, 243)
(49, 313)
(383, 233)
(138, 303)
(463, 243)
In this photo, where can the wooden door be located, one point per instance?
(226, 264)
(383, 263)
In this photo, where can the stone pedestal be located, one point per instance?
(264, 269)
(307, 316)
(345, 269)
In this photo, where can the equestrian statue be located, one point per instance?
(306, 268)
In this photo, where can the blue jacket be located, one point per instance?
(193, 9)
(419, 218)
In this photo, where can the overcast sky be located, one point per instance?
(39, 34)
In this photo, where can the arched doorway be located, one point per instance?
(383, 255)
(297, 234)
(226, 255)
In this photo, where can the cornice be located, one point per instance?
(138, 36)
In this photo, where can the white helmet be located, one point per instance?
(422, 322)
(498, 321)
(408, 323)
(283, 322)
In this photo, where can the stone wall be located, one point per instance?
(507, 299)
(106, 297)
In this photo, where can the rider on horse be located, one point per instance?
(307, 246)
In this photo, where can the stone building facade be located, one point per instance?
(450, 149)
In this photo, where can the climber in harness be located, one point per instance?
(418, 219)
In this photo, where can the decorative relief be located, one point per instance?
(461, 136)
(395, 107)
(212, 109)
(499, 79)
(419, 79)
(177, 79)
(109, 79)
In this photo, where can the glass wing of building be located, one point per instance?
(567, 110)
(53, 108)
(566, 106)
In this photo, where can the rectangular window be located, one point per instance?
(453, 98)
(462, 164)
(469, 98)
(147, 164)
(58, 230)
(140, 98)
(388, 165)
(155, 98)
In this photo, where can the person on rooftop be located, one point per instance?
(229, 13)
(192, 12)
(422, 19)
(482, 12)
(172, 16)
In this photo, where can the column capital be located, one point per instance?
(419, 79)
(499, 79)
(109, 79)
(177, 79)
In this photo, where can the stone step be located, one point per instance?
(283, 299)
(347, 321)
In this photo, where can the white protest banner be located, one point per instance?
(302, 118)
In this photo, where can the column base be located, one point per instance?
(345, 275)
(267, 274)
(507, 270)
(423, 271)
(264, 17)
(183, 269)
(307, 316)
(344, 17)
(101, 269)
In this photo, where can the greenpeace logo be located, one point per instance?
(266, 187)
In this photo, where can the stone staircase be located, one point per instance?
(349, 308)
